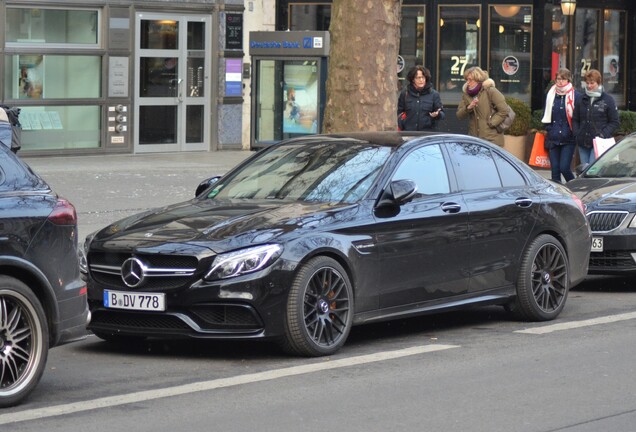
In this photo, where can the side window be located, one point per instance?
(510, 176)
(475, 166)
(426, 167)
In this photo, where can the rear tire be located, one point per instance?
(24, 341)
(543, 282)
(319, 309)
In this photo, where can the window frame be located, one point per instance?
(56, 46)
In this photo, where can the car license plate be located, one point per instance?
(134, 301)
(597, 244)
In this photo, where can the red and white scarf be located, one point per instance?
(568, 91)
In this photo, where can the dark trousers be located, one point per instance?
(561, 162)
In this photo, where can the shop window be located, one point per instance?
(557, 23)
(510, 53)
(316, 16)
(38, 26)
(411, 40)
(459, 31)
(38, 76)
(586, 42)
(60, 127)
(614, 76)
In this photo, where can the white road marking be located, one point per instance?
(147, 395)
(578, 324)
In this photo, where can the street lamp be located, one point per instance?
(568, 7)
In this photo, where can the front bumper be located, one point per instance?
(246, 307)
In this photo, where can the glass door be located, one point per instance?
(290, 107)
(172, 85)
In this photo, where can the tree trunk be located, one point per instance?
(362, 85)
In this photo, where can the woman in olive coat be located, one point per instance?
(483, 105)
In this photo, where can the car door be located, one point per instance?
(501, 210)
(424, 248)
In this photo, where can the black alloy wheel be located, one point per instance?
(319, 309)
(544, 280)
(24, 341)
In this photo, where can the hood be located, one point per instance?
(608, 193)
(219, 225)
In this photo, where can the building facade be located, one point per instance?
(521, 43)
(95, 76)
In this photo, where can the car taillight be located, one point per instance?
(579, 203)
(63, 213)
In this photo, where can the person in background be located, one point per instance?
(595, 115)
(483, 105)
(419, 105)
(559, 140)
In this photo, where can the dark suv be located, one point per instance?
(42, 297)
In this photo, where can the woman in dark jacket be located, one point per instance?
(559, 109)
(419, 105)
(595, 115)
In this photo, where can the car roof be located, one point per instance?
(383, 138)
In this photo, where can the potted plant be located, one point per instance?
(515, 138)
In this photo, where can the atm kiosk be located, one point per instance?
(289, 75)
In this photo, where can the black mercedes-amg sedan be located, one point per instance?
(42, 296)
(608, 189)
(313, 235)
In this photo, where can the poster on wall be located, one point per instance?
(30, 74)
(300, 98)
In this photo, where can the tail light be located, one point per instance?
(63, 213)
(579, 203)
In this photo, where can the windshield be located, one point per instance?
(618, 161)
(324, 172)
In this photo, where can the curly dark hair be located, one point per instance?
(411, 75)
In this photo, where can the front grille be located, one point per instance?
(606, 221)
(612, 261)
(165, 272)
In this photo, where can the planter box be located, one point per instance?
(516, 145)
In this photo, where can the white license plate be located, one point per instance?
(597, 244)
(134, 301)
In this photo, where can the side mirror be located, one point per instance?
(397, 193)
(205, 184)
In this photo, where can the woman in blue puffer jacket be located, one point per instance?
(559, 140)
(419, 105)
(595, 115)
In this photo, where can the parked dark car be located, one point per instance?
(608, 189)
(316, 234)
(42, 296)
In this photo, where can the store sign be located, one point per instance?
(301, 43)
(400, 64)
(510, 65)
(233, 31)
(233, 83)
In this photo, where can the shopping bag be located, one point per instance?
(539, 155)
(602, 144)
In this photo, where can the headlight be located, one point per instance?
(243, 261)
(82, 253)
(632, 224)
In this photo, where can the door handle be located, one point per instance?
(451, 207)
(523, 202)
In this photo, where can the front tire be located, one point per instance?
(319, 312)
(543, 282)
(24, 341)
